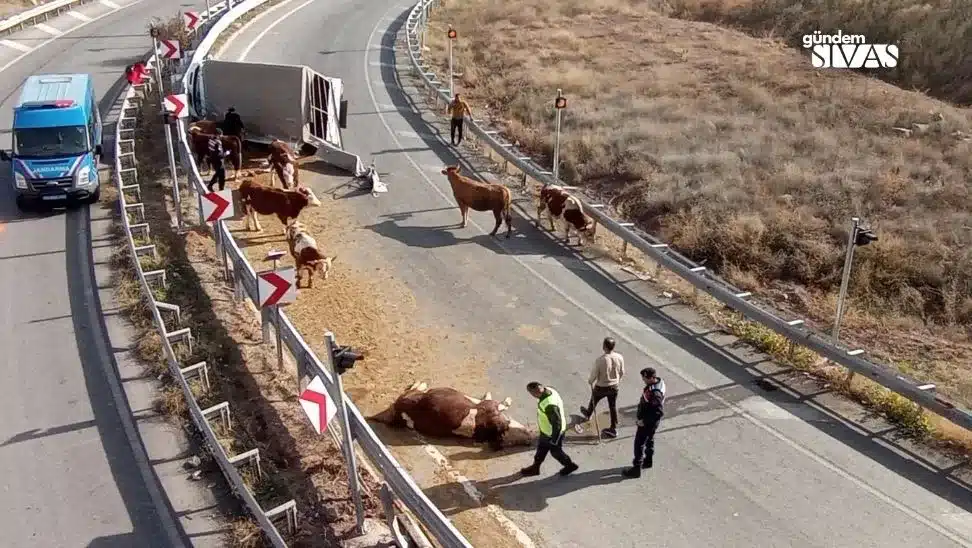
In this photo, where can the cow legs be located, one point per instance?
(464, 210)
(499, 220)
(551, 219)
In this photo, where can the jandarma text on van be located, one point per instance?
(839, 50)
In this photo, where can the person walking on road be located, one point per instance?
(650, 412)
(605, 381)
(216, 155)
(457, 108)
(552, 421)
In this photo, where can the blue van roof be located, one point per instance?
(49, 100)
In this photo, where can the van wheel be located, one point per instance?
(95, 197)
(22, 204)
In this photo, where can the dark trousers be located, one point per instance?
(609, 392)
(556, 450)
(644, 442)
(456, 125)
(219, 176)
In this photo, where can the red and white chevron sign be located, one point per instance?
(170, 49)
(217, 205)
(190, 19)
(176, 104)
(320, 408)
(277, 286)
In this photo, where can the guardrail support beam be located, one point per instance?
(223, 409)
(173, 308)
(200, 370)
(252, 457)
(288, 509)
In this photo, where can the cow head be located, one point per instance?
(451, 170)
(494, 427)
(312, 200)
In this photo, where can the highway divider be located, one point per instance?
(129, 200)
(37, 14)
(795, 330)
(400, 484)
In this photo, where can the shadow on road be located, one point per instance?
(528, 495)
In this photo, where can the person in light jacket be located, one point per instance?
(605, 380)
(650, 412)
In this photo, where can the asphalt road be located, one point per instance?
(735, 466)
(74, 466)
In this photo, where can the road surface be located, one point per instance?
(78, 468)
(735, 466)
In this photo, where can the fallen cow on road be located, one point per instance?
(444, 412)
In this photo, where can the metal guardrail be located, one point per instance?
(244, 277)
(228, 465)
(795, 330)
(37, 14)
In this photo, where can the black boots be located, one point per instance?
(569, 469)
(534, 470)
(635, 471)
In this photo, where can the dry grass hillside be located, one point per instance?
(738, 152)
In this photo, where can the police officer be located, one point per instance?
(216, 155)
(650, 412)
(552, 420)
(233, 124)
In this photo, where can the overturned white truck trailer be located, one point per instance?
(288, 102)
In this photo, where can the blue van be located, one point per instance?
(56, 141)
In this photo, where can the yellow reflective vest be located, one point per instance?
(551, 398)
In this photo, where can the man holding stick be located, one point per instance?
(605, 380)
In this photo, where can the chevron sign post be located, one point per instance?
(170, 49)
(276, 287)
(318, 406)
(190, 19)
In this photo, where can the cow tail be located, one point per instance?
(508, 207)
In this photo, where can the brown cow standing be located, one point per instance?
(265, 200)
(208, 127)
(306, 254)
(199, 142)
(444, 412)
(558, 203)
(283, 161)
(480, 196)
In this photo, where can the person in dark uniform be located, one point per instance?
(216, 155)
(650, 412)
(233, 124)
(552, 421)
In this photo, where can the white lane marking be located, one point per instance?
(232, 38)
(110, 4)
(49, 29)
(955, 536)
(49, 40)
(78, 15)
(264, 32)
(15, 45)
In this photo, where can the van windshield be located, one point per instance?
(50, 141)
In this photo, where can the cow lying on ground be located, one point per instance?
(265, 200)
(444, 412)
(558, 203)
(199, 142)
(306, 254)
(481, 196)
(283, 162)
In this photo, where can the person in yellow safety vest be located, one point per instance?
(552, 421)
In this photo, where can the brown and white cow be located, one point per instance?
(480, 196)
(444, 412)
(558, 203)
(307, 256)
(283, 162)
(199, 142)
(265, 200)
